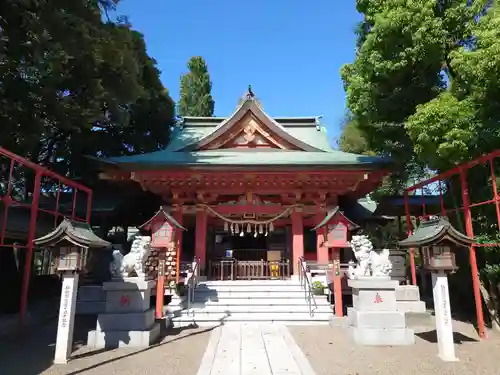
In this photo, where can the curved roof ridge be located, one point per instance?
(249, 104)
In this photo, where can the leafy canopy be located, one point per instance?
(72, 84)
(196, 90)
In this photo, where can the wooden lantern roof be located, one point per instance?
(434, 231)
(164, 216)
(76, 232)
(336, 213)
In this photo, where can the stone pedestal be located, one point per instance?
(374, 318)
(408, 301)
(128, 320)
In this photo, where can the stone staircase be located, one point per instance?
(222, 302)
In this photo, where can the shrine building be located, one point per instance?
(250, 188)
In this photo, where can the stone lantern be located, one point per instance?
(439, 241)
(70, 242)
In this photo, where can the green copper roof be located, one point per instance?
(305, 129)
(250, 157)
(434, 231)
(194, 133)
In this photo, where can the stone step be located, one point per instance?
(249, 288)
(201, 309)
(255, 302)
(250, 284)
(222, 318)
(214, 294)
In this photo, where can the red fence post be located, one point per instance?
(472, 255)
(495, 191)
(409, 232)
(29, 247)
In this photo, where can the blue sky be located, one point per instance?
(290, 51)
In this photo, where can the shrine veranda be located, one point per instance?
(250, 191)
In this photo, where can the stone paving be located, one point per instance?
(331, 352)
(253, 349)
(179, 353)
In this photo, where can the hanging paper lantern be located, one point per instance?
(255, 230)
(271, 227)
(237, 229)
(260, 229)
(226, 226)
(242, 233)
(232, 227)
(249, 229)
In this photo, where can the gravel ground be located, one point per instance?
(179, 353)
(331, 352)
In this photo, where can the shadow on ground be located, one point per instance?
(32, 352)
(458, 338)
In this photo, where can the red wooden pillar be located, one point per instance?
(472, 255)
(321, 250)
(409, 232)
(160, 284)
(201, 238)
(29, 248)
(178, 241)
(297, 238)
(337, 282)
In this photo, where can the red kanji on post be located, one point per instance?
(125, 300)
(378, 299)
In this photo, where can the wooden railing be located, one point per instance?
(232, 269)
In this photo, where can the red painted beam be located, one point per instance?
(43, 170)
(445, 175)
(228, 209)
(309, 222)
(229, 173)
(239, 190)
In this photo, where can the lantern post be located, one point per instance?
(163, 230)
(70, 242)
(335, 227)
(438, 240)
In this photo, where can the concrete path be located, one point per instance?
(253, 349)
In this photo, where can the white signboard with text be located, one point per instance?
(64, 340)
(444, 327)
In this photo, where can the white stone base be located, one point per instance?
(382, 336)
(411, 306)
(124, 322)
(407, 293)
(117, 339)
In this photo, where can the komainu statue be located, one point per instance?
(369, 261)
(124, 265)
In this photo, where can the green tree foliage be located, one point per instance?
(403, 61)
(424, 89)
(73, 85)
(196, 90)
(352, 138)
(462, 122)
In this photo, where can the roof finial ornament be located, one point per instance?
(250, 94)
